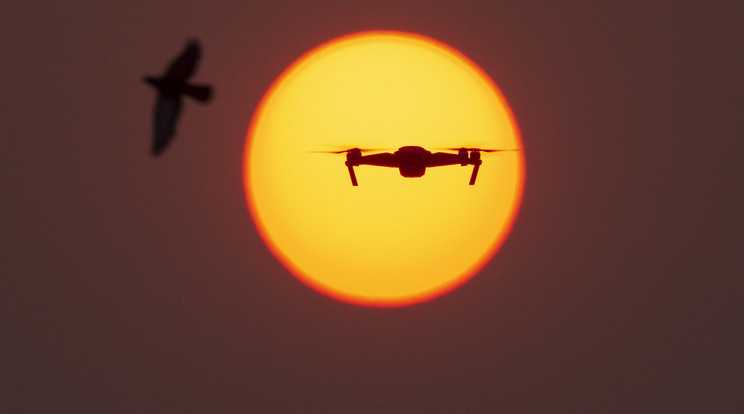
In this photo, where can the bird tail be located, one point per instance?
(201, 93)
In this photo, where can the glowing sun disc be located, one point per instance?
(392, 240)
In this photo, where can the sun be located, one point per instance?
(391, 240)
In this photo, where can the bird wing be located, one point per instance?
(167, 110)
(184, 65)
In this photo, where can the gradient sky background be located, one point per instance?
(134, 284)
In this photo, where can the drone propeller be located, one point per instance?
(349, 150)
(492, 150)
(478, 149)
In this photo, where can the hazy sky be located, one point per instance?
(134, 284)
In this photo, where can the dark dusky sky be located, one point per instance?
(134, 284)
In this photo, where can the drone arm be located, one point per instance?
(439, 159)
(384, 159)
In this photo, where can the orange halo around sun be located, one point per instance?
(391, 241)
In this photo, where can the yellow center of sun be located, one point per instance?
(392, 240)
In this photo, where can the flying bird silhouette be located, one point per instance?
(171, 86)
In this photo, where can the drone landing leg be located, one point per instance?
(352, 175)
(474, 174)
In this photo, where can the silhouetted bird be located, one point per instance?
(170, 87)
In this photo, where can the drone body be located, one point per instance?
(412, 161)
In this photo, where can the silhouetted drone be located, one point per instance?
(412, 161)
